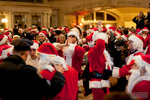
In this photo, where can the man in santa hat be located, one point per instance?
(139, 80)
(32, 58)
(48, 58)
(99, 60)
(42, 38)
(72, 52)
(5, 49)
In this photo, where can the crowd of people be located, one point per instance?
(53, 63)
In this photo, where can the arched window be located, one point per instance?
(89, 17)
(110, 17)
(99, 16)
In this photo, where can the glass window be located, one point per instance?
(99, 16)
(20, 20)
(36, 20)
(89, 17)
(110, 17)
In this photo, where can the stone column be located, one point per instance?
(29, 20)
(45, 20)
(48, 21)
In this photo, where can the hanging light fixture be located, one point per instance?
(4, 20)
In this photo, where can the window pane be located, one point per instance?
(89, 17)
(99, 16)
(110, 17)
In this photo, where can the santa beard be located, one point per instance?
(135, 74)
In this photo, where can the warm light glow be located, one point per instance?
(108, 25)
(4, 20)
(88, 21)
(94, 20)
(81, 24)
(83, 20)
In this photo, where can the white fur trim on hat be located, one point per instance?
(141, 63)
(35, 46)
(100, 35)
(3, 40)
(145, 30)
(42, 34)
(137, 42)
(75, 34)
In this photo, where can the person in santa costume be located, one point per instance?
(99, 60)
(135, 45)
(72, 52)
(48, 58)
(42, 37)
(5, 49)
(32, 59)
(147, 39)
(139, 80)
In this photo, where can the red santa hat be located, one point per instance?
(100, 35)
(118, 34)
(143, 61)
(145, 29)
(35, 45)
(47, 48)
(138, 31)
(48, 52)
(138, 41)
(43, 33)
(3, 39)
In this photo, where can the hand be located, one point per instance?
(59, 68)
(66, 43)
(113, 81)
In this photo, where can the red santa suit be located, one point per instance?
(137, 43)
(5, 50)
(99, 59)
(138, 85)
(49, 54)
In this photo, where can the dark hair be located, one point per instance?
(118, 96)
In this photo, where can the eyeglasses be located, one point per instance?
(72, 36)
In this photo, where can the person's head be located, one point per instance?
(42, 36)
(33, 49)
(118, 96)
(62, 38)
(135, 42)
(141, 14)
(22, 47)
(119, 44)
(74, 36)
(145, 30)
(100, 35)
(48, 56)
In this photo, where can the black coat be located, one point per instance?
(139, 23)
(19, 81)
